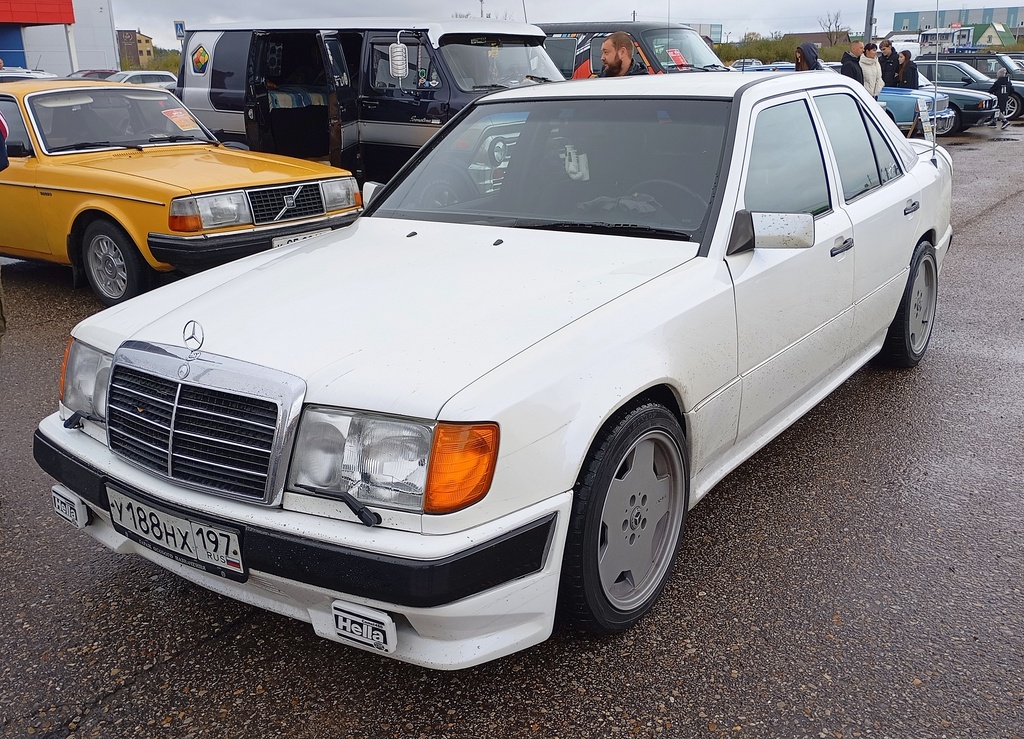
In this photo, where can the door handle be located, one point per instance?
(841, 246)
(912, 206)
(369, 103)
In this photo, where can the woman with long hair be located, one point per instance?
(906, 75)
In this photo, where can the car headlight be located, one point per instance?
(84, 380)
(341, 194)
(209, 211)
(418, 466)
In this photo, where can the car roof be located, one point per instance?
(24, 87)
(722, 85)
(609, 26)
(435, 29)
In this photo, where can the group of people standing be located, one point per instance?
(877, 65)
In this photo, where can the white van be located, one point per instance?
(361, 93)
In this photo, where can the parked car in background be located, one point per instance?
(741, 63)
(426, 433)
(158, 77)
(773, 67)
(660, 47)
(16, 74)
(988, 63)
(970, 107)
(949, 74)
(118, 181)
(92, 74)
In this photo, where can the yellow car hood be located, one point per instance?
(204, 168)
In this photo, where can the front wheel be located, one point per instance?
(1014, 107)
(113, 265)
(629, 509)
(958, 122)
(911, 329)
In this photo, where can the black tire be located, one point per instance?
(911, 330)
(594, 593)
(1014, 106)
(112, 263)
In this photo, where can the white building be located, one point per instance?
(88, 43)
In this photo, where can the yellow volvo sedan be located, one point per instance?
(120, 182)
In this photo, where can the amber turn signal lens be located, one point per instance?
(64, 366)
(461, 467)
(185, 223)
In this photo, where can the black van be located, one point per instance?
(359, 93)
(662, 47)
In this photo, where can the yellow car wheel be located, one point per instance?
(112, 264)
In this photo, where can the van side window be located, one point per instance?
(422, 72)
(227, 77)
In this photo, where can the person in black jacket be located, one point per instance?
(851, 62)
(889, 62)
(617, 56)
(907, 74)
(1001, 88)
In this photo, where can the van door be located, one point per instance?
(341, 103)
(398, 116)
(257, 104)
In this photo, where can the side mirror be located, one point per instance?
(17, 149)
(369, 188)
(398, 61)
(967, 80)
(783, 230)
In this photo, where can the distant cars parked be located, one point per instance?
(14, 74)
(950, 73)
(741, 63)
(118, 181)
(91, 74)
(989, 63)
(970, 107)
(167, 80)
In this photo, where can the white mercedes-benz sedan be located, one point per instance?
(494, 398)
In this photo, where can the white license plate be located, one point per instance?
(364, 626)
(190, 542)
(285, 240)
(70, 507)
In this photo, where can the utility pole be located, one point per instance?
(634, 16)
(869, 21)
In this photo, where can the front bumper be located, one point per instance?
(193, 253)
(491, 598)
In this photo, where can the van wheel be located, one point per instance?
(113, 265)
(629, 509)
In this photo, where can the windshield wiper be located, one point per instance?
(615, 229)
(709, 67)
(176, 137)
(536, 78)
(95, 145)
(490, 87)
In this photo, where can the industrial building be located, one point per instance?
(58, 36)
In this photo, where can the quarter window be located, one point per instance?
(786, 173)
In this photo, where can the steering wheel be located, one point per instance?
(448, 186)
(656, 188)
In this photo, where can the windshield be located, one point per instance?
(679, 49)
(89, 118)
(480, 63)
(644, 166)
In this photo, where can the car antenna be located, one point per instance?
(935, 91)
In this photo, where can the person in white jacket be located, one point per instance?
(871, 69)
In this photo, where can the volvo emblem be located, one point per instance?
(183, 372)
(289, 201)
(193, 335)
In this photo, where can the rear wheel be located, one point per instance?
(911, 329)
(114, 267)
(629, 509)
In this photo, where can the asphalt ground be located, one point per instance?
(859, 577)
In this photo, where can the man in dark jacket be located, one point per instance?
(851, 61)
(1001, 88)
(617, 56)
(888, 61)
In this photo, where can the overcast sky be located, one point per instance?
(156, 19)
